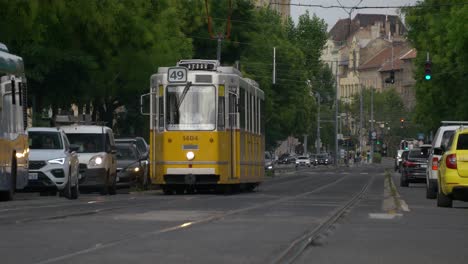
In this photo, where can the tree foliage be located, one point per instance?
(102, 53)
(439, 28)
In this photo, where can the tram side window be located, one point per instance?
(259, 118)
(161, 112)
(221, 109)
(262, 117)
(242, 109)
(247, 103)
(254, 114)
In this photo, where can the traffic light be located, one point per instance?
(427, 71)
(391, 79)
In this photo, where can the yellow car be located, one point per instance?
(453, 170)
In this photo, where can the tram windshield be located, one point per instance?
(190, 108)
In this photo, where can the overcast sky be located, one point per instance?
(331, 15)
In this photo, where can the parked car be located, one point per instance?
(453, 170)
(414, 166)
(96, 153)
(269, 162)
(302, 161)
(130, 165)
(53, 164)
(439, 143)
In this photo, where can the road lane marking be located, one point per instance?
(384, 216)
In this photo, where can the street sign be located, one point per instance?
(374, 135)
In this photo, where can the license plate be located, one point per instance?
(423, 165)
(32, 176)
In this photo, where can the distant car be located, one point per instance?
(130, 168)
(439, 144)
(322, 159)
(414, 166)
(53, 164)
(398, 159)
(302, 161)
(96, 153)
(313, 160)
(453, 170)
(269, 162)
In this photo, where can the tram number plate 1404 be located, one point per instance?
(177, 75)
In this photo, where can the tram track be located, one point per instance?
(181, 226)
(299, 245)
(102, 206)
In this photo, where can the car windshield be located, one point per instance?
(195, 112)
(87, 143)
(303, 158)
(422, 153)
(139, 143)
(44, 140)
(126, 152)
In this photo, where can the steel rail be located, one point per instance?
(298, 246)
(206, 220)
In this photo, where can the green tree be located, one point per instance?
(439, 28)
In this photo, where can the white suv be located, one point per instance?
(439, 144)
(53, 165)
(96, 153)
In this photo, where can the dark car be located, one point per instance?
(313, 160)
(139, 142)
(322, 159)
(130, 168)
(143, 150)
(414, 165)
(269, 162)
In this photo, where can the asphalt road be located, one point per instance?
(309, 215)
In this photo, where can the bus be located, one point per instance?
(206, 128)
(14, 149)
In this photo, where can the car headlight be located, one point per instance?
(96, 161)
(60, 161)
(270, 167)
(133, 169)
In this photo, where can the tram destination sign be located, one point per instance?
(177, 75)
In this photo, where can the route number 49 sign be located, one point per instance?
(177, 75)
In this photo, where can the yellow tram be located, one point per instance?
(207, 130)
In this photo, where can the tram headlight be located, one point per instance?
(190, 155)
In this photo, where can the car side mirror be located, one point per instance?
(439, 151)
(112, 150)
(74, 147)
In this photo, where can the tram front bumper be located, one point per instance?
(191, 179)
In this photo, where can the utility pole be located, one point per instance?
(218, 53)
(274, 65)
(220, 37)
(372, 125)
(360, 120)
(336, 114)
(318, 123)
